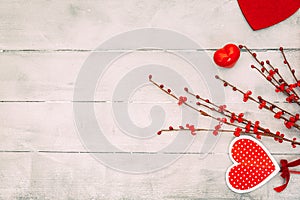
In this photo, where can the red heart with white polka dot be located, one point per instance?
(253, 165)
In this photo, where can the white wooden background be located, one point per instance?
(43, 45)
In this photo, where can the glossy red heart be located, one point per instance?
(227, 56)
(264, 13)
(253, 165)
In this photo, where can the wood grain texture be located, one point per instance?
(51, 127)
(68, 176)
(52, 76)
(43, 46)
(85, 24)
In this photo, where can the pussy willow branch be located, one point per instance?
(277, 81)
(232, 131)
(205, 114)
(288, 64)
(281, 79)
(244, 120)
(276, 72)
(253, 99)
(256, 101)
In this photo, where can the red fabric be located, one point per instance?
(264, 13)
(253, 165)
(285, 172)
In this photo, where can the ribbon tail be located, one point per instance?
(280, 188)
(285, 172)
(286, 176)
(294, 172)
(294, 163)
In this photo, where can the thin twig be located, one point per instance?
(288, 64)
(258, 102)
(205, 114)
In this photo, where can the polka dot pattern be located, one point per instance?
(254, 165)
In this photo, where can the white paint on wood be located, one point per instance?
(42, 156)
(85, 24)
(52, 76)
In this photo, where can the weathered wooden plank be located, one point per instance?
(54, 127)
(68, 176)
(52, 76)
(44, 44)
(84, 25)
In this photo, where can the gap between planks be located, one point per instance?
(126, 50)
(126, 152)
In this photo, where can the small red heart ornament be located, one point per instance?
(253, 165)
(227, 56)
(264, 13)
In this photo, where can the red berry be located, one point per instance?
(233, 117)
(278, 133)
(292, 119)
(278, 114)
(248, 126)
(267, 130)
(288, 124)
(237, 132)
(215, 132)
(262, 105)
(258, 136)
(240, 117)
(217, 127)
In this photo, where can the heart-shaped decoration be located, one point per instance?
(227, 56)
(253, 165)
(264, 13)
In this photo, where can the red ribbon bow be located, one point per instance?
(285, 172)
